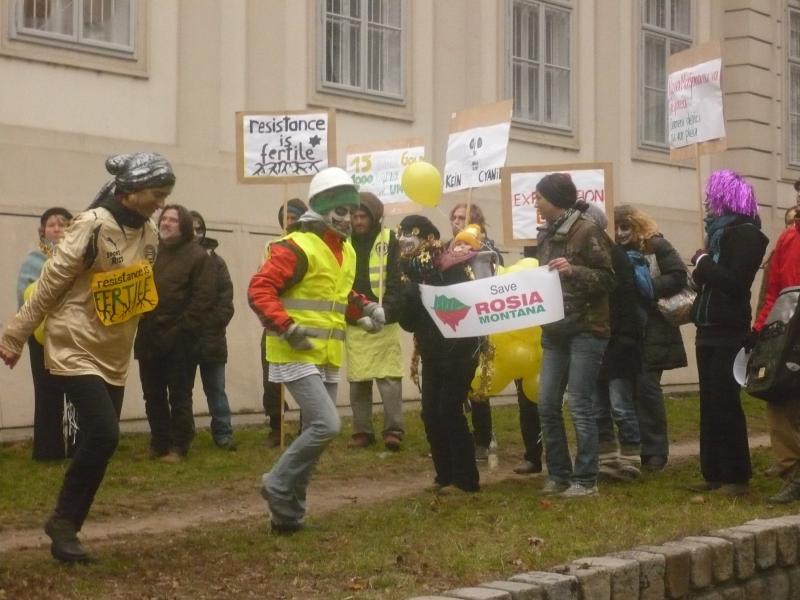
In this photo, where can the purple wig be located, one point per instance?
(727, 192)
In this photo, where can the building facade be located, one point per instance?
(83, 79)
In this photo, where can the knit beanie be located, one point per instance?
(558, 189)
(139, 171)
(372, 204)
(295, 206)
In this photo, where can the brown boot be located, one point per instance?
(360, 440)
(273, 438)
(391, 441)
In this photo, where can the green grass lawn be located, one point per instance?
(393, 549)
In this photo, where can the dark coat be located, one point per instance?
(722, 310)
(392, 290)
(622, 358)
(663, 343)
(184, 278)
(586, 291)
(212, 347)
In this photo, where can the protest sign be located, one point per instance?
(594, 182)
(477, 146)
(377, 168)
(694, 102)
(284, 147)
(494, 304)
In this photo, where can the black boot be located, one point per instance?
(65, 546)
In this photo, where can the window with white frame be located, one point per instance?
(104, 26)
(794, 87)
(666, 29)
(363, 48)
(541, 64)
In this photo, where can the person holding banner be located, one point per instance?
(724, 272)
(375, 356)
(572, 348)
(784, 417)
(271, 398)
(448, 364)
(637, 233)
(302, 294)
(106, 254)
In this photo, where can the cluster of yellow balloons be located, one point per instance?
(38, 333)
(517, 354)
(422, 183)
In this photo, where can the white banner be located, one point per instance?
(475, 157)
(284, 145)
(695, 104)
(524, 213)
(495, 304)
(379, 171)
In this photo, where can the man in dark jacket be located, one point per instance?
(184, 278)
(375, 356)
(573, 347)
(211, 351)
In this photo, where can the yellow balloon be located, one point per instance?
(422, 183)
(530, 387)
(522, 265)
(38, 333)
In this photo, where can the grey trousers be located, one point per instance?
(285, 485)
(390, 389)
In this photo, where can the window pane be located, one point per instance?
(681, 16)
(556, 51)
(526, 31)
(526, 91)
(342, 52)
(794, 34)
(556, 94)
(385, 12)
(655, 62)
(654, 12)
(346, 8)
(107, 21)
(384, 62)
(53, 16)
(655, 117)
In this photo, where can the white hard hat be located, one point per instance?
(327, 179)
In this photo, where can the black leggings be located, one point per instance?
(98, 405)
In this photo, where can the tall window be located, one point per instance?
(794, 87)
(105, 25)
(666, 29)
(541, 73)
(363, 47)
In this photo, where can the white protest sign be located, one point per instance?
(495, 304)
(477, 146)
(520, 214)
(377, 168)
(284, 147)
(695, 104)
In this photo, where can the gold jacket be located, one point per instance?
(77, 342)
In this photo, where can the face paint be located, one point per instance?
(408, 242)
(338, 220)
(623, 233)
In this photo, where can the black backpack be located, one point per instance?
(773, 371)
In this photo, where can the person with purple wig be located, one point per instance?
(724, 272)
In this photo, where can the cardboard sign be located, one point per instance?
(477, 146)
(378, 167)
(694, 100)
(495, 304)
(518, 192)
(284, 147)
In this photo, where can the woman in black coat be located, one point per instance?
(724, 271)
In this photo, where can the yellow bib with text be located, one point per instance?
(124, 293)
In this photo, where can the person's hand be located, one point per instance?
(375, 311)
(370, 324)
(697, 256)
(561, 265)
(10, 358)
(751, 340)
(297, 337)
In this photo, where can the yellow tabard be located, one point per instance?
(122, 294)
(373, 355)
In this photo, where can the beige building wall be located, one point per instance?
(206, 59)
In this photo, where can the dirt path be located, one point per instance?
(324, 496)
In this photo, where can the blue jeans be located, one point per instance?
(571, 365)
(285, 485)
(213, 377)
(649, 402)
(613, 404)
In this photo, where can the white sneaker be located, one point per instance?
(552, 488)
(576, 490)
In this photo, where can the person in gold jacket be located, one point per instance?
(92, 291)
(301, 294)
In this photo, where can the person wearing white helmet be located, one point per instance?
(302, 295)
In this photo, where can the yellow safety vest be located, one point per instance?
(379, 254)
(317, 302)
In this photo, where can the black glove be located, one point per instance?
(697, 255)
(751, 340)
